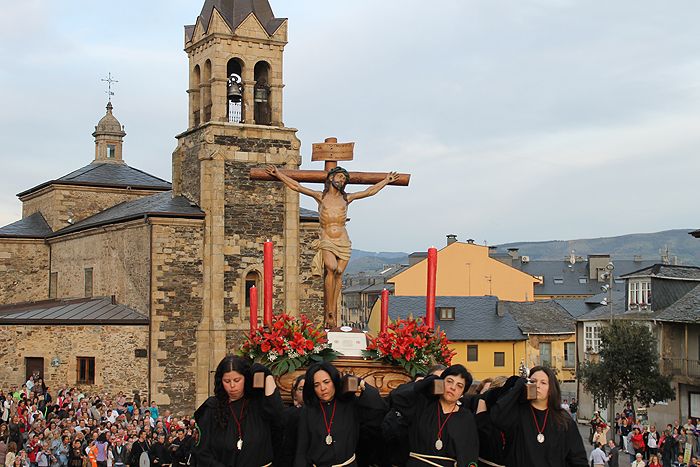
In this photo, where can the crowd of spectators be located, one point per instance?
(675, 446)
(71, 428)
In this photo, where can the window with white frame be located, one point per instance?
(639, 293)
(591, 333)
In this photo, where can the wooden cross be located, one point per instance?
(330, 152)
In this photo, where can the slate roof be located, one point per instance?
(540, 317)
(107, 174)
(570, 275)
(475, 318)
(159, 205)
(308, 214)
(82, 311)
(685, 310)
(667, 271)
(235, 12)
(574, 306)
(34, 226)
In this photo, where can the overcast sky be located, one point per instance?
(518, 120)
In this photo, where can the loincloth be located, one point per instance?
(341, 249)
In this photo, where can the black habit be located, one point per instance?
(350, 413)
(218, 444)
(459, 436)
(562, 446)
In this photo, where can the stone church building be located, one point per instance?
(116, 280)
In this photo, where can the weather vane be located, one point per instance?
(109, 82)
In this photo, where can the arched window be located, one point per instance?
(206, 80)
(234, 90)
(252, 277)
(195, 100)
(263, 112)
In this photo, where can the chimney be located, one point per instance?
(500, 308)
(513, 252)
(451, 238)
(470, 241)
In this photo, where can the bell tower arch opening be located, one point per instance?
(195, 99)
(234, 90)
(205, 87)
(263, 110)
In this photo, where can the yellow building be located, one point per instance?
(486, 340)
(465, 269)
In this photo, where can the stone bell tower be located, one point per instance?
(235, 53)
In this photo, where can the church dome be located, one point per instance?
(109, 124)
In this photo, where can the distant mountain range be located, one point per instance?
(650, 246)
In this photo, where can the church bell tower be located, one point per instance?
(235, 50)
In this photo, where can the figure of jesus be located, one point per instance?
(333, 245)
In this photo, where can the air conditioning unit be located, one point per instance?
(524, 259)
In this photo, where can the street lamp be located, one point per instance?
(608, 274)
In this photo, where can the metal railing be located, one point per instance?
(681, 367)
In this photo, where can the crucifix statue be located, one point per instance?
(333, 245)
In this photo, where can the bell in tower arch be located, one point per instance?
(235, 98)
(261, 94)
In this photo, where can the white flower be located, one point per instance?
(272, 356)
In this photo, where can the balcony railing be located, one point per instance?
(681, 367)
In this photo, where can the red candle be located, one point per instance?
(267, 283)
(253, 294)
(385, 310)
(430, 296)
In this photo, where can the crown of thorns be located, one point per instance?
(336, 170)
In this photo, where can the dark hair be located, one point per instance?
(310, 396)
(230, 363)
(329, 176)
(559, 415)
(458, 370)
(296, 384)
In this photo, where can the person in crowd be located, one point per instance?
(573, 408)
(139, 449)
(598, 457)
(538, 432)
(160, 454)
(442, 431)
(613, 454)
(236, 422)
(330, 420)
(651, 439)
(654, 461)
(638, 461)
(11, 454)
(679, 462)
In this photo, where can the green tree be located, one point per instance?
(628, 367)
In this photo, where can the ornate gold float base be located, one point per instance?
(383, 376)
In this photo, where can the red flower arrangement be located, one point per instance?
(289, 343)
(410, 344)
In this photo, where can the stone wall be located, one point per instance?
(113, 347)
(176, 311)
(58, 203)
(254, 212)
(186, 169)
(24, 270)
(310, 287)
(119, 256)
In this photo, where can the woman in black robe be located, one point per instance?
(441, 430)
(538, 432)
(329, 423)
(235, 424)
